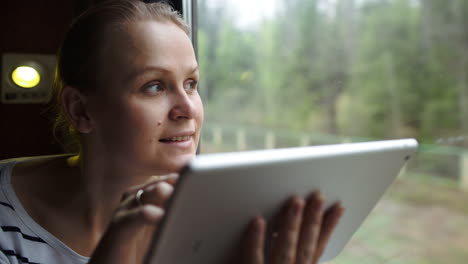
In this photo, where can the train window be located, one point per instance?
(304, 72)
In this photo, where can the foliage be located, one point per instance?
(381, 69)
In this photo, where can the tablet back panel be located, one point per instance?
(218, 194)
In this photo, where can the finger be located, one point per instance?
(253, 242)
(169, 178)
(310, 228)
(330, 221)
(128, 222)
(284, 246)
(156, 193)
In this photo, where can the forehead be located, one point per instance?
(148, 44)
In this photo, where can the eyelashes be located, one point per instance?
(153, 89)
(156, 88)
(190, 86)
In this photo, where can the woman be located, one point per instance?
(127, 94)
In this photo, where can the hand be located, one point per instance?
(135, 220)
(303, 232)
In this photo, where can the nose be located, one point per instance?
(182, 105)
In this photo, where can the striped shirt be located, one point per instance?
(22, 240)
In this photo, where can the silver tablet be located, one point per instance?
(218, 194)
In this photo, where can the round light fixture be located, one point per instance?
(26, 77)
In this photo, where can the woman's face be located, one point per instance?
(147, 112)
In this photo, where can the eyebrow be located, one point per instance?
(147, 69)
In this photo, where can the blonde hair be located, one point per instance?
(78, 61)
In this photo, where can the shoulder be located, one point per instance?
(26, 169)
(21, 239)
(16, 239)
(32, 181)
(27, 164)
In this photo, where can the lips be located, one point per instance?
(179, 137)
(175, 139)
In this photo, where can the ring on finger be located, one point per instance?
(138, 195)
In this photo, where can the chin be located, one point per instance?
(174, 165)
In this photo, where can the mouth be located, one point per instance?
(175, 139)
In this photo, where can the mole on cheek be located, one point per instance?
(159, 123)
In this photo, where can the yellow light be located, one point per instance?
(26, 77)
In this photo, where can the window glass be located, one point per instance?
(285, 73)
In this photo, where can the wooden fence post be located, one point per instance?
(463, 178)
(270, 140)
(241, 140)
(305, 141)
(217, 136)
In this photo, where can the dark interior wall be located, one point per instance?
(30, 27)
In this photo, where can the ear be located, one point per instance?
(76, 108)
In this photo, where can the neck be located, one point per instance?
(103, 184)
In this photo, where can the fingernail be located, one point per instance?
(153, 212)
(341, 208)
(259, 225)
(295, 207)
(320, 196)
(318, 200)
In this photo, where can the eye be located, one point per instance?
(153, 88)
(190, 86)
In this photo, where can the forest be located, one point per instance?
(376, 69)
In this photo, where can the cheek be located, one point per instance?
(133, 124)
(142, 132)
(145, 119)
